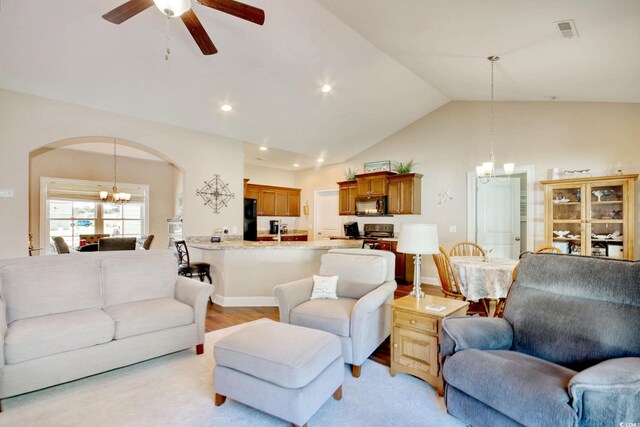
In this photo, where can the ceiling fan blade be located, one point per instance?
(127, 10)
(240, 10)
(198, 32)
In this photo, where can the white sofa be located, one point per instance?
(64, 317)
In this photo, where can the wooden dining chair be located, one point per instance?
(467, 249)
(548, 250)
(451, 285)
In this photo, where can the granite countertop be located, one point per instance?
(245, 244)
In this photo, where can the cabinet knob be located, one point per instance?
(413, 321)
(395, 345)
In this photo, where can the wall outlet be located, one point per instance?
(6, 193)
(453, 229)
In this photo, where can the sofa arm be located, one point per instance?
(195, 294)
(3, 329)
(292, 294)
(607, 393)
(482, 333)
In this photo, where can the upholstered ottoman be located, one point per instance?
(284, 370)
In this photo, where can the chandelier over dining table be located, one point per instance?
(486, 171)
(117, 197)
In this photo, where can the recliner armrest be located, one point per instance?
(607, 393)
(482, 333)
(292, 294)
(375, 298)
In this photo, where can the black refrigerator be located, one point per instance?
(250, 219)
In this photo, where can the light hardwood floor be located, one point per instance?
(222, 317)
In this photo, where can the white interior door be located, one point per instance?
(326, 218)
(498, 217)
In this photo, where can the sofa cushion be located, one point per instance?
(136, 277)
(358, 274)
(327, 315)
(283, 354)
(37, 337)
(48, 289)
(141, 317)
(529, 390)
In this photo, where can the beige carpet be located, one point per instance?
(177, 390)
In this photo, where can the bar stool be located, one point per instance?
(187, 268)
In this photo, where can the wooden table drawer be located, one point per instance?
(424, 323)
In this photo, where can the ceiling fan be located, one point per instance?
(182, 8)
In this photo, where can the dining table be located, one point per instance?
(484, 278)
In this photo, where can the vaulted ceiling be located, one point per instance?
(389, 62)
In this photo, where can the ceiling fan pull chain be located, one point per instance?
(167, 40)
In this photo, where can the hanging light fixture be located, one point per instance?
(117, 197)
(486, 171)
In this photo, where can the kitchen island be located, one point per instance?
(244, 273)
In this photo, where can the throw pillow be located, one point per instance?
(324, 287)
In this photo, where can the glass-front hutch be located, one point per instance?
(591, 216)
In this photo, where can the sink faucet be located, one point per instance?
(279, 230)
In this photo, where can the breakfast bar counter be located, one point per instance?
(244, 273)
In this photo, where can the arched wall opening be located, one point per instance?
(90, 159)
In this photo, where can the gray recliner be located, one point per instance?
(566, 353)
(359, 317)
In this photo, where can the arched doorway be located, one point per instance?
(65, 178)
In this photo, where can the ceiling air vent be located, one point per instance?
(568, 28)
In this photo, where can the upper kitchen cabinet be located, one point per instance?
(347, 197)
(274, 201)
(373, 184)
(404, 194)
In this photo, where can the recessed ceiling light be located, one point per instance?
(320, 160)
(226, 107)
(326, 88)
(295, 165)
(263, 148)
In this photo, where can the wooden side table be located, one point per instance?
(415, 336)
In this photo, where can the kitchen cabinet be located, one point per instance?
(591, 216)
(404, 262)
(274, 201)
(372, 184)
(404, 194)
(347, 197)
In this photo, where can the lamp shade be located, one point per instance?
(418, 239)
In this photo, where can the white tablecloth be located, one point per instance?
(480, 279)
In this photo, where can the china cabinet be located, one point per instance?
(591, 216)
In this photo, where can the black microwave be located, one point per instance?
(371, 206)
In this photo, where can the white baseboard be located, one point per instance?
(245, 301)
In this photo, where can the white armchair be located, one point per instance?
(359, 316)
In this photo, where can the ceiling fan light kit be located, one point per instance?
(173, 8)
(182, 9)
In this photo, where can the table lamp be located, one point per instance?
(418, 239)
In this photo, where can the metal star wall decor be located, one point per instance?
(215, 194)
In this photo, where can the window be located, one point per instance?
(69, 208)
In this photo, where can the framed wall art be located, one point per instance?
(381, 166)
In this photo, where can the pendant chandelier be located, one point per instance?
(486, 171)
(117, 197)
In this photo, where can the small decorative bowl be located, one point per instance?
(561, 233)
